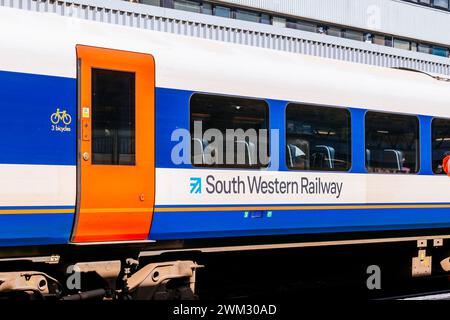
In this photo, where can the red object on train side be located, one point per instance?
(446, 165)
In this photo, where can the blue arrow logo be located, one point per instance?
(196, 185)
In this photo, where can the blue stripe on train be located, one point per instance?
(212, 206)
(35, 229)
(213, 224)
(26, 104)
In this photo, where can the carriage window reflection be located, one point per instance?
(229, 131)
(113, 117)
(317, 138)
(440, 143)
(392, 143)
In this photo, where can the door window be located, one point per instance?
(113, 117)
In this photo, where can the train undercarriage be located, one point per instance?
(103, 280)
(227, 271)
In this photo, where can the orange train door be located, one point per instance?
(116, 145)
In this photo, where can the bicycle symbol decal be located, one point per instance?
(60, 116)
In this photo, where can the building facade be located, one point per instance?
(388, 33)
(408, 25)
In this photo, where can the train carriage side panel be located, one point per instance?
(37, 163)
(186, 65)
(38, 123)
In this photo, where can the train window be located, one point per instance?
(317, 138)
(440, 143)
(392, 143)
(113, 117)
(229, 132)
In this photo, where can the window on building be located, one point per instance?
(301, 25)
(402, 44)
(380, 40)
(222, 11)
(392, 143)
(279, 22)
(247, 15)
(152, 2)
(317, 138)
(335, 32)
(229, 131)
(440, 143)
(265, 18)
(207, 8)
(187, 5)
(113, 117)
(353, 35)
(441, 3)
(424, 48)
(439, 51)
(199, 6)
(389, 41)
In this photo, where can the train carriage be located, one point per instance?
(100, 148)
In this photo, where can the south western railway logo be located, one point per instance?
(259, 185)
(61, 120)
(195, 185)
